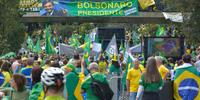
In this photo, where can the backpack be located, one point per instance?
(101, 90)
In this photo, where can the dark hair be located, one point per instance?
(187, 58)
(36, 74)
(76, 56)
(65, 61)
(6, 66)
(30, 61)
(170, 60)
(48, 62)
(116, 64)
(46, 1)
(36, 57)
(180, 62)
(18, 57)
(55, 64)
(78, 63)
(101, 58)
(20, 81)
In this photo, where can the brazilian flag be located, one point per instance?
(73, 86)
(186, 83)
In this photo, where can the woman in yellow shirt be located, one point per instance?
(5, 71)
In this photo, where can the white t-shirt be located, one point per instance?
(197, 65)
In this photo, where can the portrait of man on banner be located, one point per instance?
(50, 8)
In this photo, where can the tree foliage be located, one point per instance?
(190, 27)
(11, 30)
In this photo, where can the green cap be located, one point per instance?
(71, 66)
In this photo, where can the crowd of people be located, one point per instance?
(56, 77)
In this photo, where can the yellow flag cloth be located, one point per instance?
(146, 3)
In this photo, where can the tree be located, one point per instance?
(190, 27)
(12, 32)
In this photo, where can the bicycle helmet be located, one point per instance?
(51, 75)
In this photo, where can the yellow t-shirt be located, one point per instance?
(134, 76)
(163, 71)
(7, 78)
(102, 66)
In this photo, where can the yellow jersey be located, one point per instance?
(7, 77)
(163, 71)
(134, 76)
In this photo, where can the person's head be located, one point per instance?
(136, 63)
(30, 62)
(93, 67)
(37, 64)
(115, 61)
(24, 61)
(170, 60)
(101, 58)
(69, 67)
(159, 61)
(76, 56)
(48, 62)
(35, 57)
(18, 58)
(36, 74)
(53, 80)
(55, 64)
(18, 82)
(77, 63)
(65, 61)
(180, 62)
(187, 58)
(152, 74)
(48, 5)
(121, 57)
(6, 66)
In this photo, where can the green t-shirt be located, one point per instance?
(151, 86)
(86, 85)
(56, 97)
(71, 82)
(113, 69)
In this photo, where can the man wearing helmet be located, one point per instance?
(53, 82)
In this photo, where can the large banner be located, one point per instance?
(30, 5)
(89, 8)
(164, 46)
(69, 51)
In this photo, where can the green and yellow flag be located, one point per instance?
(49, 49)
(121, 48)
(186, 83)
(146, 3)
(86, 49)
(73, 41)
(37, 47)
(30, 44)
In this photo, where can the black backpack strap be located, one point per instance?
(91, 75)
